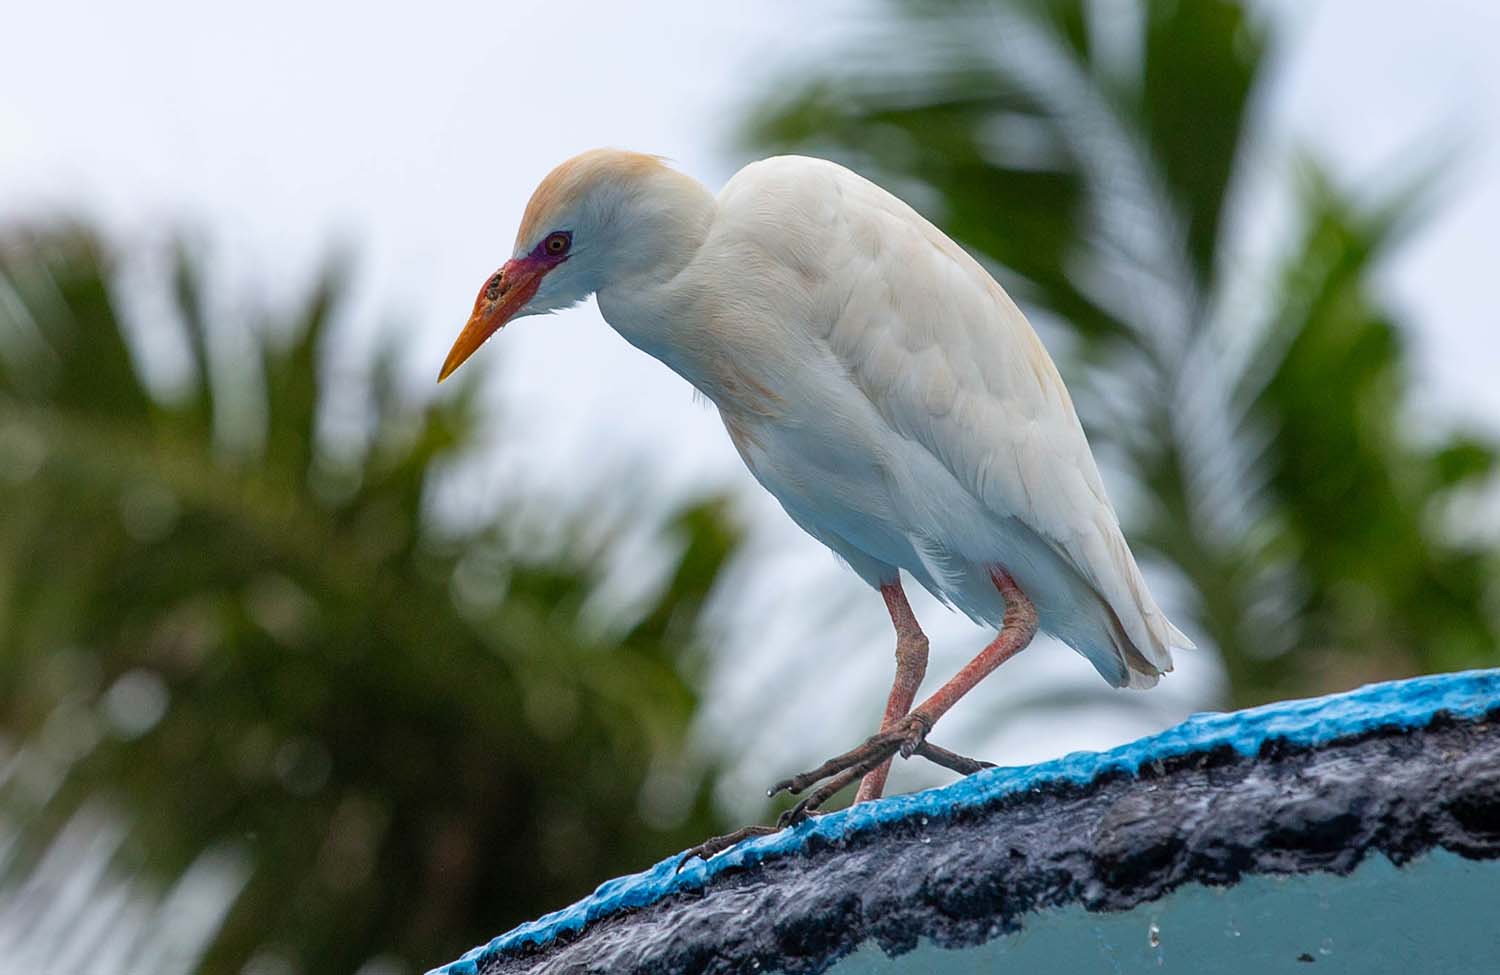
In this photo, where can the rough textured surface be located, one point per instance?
(1396, 768)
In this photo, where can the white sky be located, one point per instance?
(276, 129)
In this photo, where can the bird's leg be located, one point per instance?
(908, 735)
(900, 731)
(911, 667)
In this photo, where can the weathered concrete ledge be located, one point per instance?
(1396, 769)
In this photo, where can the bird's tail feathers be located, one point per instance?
(1178, 639)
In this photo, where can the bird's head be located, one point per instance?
(596, 219)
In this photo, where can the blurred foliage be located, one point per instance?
(233, 646)
(266, 644)
(1096, 154)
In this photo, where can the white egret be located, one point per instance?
(878, 382)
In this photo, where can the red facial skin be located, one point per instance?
(505, 293)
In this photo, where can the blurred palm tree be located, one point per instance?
(241, 655)
(1099, 155)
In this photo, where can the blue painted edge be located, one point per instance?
(1394, 705)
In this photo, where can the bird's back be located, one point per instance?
(932, 430)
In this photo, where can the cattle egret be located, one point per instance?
(879, 383)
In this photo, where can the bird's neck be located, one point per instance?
(646, 291)
(674, 308)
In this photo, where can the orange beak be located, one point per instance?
(503, 295)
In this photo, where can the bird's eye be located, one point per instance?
(557, 244)
(495, 288)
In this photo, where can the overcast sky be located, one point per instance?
(275, 129)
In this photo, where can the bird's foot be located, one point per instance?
(714, 846)
(908, 737)
(905, 736)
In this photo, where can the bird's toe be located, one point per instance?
(711, 848)
(910, 733)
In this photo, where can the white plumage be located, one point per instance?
(940, 437)
(873, 376)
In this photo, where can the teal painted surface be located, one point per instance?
(1397, 704)
(1434, 916)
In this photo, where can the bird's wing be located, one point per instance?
(951, 363)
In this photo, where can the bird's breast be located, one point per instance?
(820, 450)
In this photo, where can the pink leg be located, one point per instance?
(908, 735)
(900, 731)
(911, 667)
(1016, 631)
